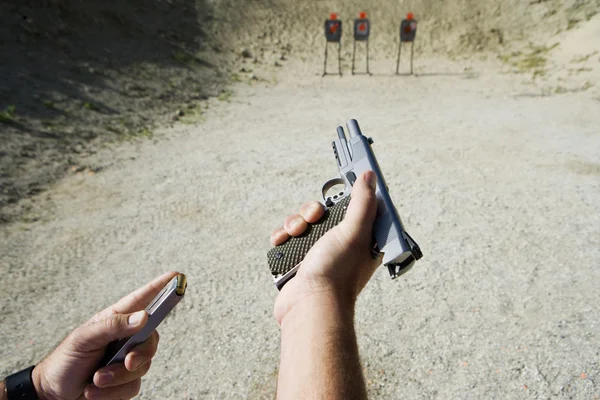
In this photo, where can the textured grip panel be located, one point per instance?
(286, 256)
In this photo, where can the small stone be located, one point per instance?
(246, 53)
(179, 113)
(277, 64)
(283, 57)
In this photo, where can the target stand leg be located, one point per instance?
(412, 46)
(325, 64)
(340, 57)
(353, 56)
(398, 61)
(368, 73)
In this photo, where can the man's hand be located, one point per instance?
(66, 374)
(319, 353)
(340, 263)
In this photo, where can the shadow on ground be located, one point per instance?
(76, 74)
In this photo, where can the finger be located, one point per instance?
(295, 225)
(142, 353)
(139, 299)
(125, 391)
(95, 336)
(279, 236)
(362, 209)
(312, 211)
(117, 375)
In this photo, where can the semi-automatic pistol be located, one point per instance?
(353, 156)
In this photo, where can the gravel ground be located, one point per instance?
(499, 187)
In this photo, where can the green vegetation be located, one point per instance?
(49, 104)
(506, 58)
(225, 95)
(586, 86)
(180, 56)
(7, 116)
(112, 129)
(50, 125)
(533, 61)
(90, 106)
(185, 57)
(530, 62)
(572, 23)
(560, 90)
(193, 114)
(583, 59)
(145, 132)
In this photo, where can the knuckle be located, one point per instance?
(114, 322)
(292, 220)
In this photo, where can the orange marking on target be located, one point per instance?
(410, 16)
(362, 15)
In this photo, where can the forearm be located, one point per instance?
(3, 395)
(319, 353)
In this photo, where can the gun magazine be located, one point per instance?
(284, 257)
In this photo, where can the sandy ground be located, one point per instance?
(498, 185)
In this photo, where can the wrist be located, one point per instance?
(325, 309)
(38, 382)
(300, 294)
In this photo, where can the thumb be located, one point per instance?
(95, 336)
(363, 207)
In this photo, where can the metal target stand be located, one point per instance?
(412, 45)
(333, 34)
(362, 29)
(408, 31)
(339, 60)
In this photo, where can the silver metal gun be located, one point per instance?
(354, 156)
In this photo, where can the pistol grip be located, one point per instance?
(285, 257)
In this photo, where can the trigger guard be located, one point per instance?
(329, 184)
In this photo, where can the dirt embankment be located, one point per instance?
(77, 76)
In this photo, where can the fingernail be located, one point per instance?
(372, 180)
(135, 318)
(136, 361)
(104, 378)
(294, 223)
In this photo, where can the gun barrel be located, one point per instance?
(353, 128)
